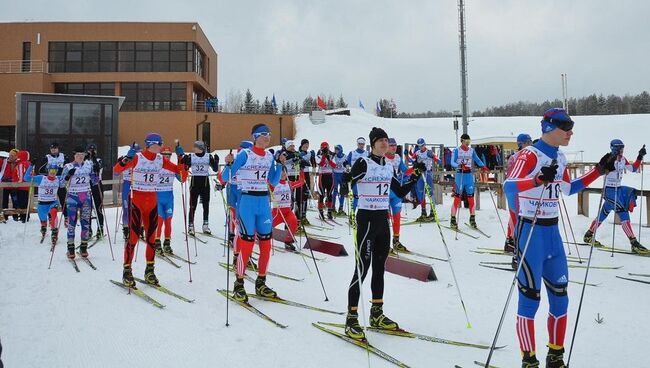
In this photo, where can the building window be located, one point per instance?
(101, 89)
(27, 56)
(7, 137)
(146, 96)
(126, 56)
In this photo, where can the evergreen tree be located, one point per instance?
(330, 102)
(249, 104)
(308, 105)
(340, 103)
(267, 108)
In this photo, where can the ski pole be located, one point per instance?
(566, 235)
(460, 194)
(451, 266)
(187, 243)
(582, 293)
(573, 234)
(228, 218)
(58, 226)
(496, 209)
(641, 202)
(313, 257)
(615, 209)
(108, 232)
(284, 220)
(521, 258)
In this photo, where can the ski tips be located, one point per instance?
(469, 325)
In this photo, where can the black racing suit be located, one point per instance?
(200, 186)
(373, 233)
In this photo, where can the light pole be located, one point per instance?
(456, 116)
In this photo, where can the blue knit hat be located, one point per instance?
(556, 117)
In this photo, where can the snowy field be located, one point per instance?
(61, 318)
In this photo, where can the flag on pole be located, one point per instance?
(378, 109)
(321, 103)
(273, 102)
(361, 105)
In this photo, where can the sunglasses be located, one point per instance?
(264, 134)
(562, 124)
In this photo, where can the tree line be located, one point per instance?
(238, 102)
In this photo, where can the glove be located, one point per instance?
(642, 153)
(419, 168)
(70, 173)
(131, 152)
(547, 174)
(217, 186)
(179, 150)
(606, 163)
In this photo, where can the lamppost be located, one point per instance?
(457, 114)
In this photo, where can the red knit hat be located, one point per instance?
(324, 145)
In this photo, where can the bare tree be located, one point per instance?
(234, 101)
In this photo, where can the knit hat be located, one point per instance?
(376, 134)
(200, 145)
(556, 118)
(324, 144)
(151, 139)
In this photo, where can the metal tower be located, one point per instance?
(463, 64)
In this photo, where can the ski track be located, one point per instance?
(60, 318)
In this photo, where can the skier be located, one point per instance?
(77, 175)
(200, 162)
(462, 160)
(523, 141)
(619, 198)
(351, 159)
(255, 169)
(429, 159)
(96, 189)
(8, 165)
(399, 170)
(281, 212)
(165, 198)
(127, 176)
(540, 173)
(22, 192)
(340, 190)
(55, 157)
(325, 164)
(374, 178)
(48, 204)
(302, 194)
(143, 207)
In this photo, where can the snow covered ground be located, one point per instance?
(60, 318)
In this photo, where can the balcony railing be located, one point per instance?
(22, 66)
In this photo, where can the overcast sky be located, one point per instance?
(406, 50)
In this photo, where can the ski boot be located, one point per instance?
(262, 290)
(341, 212)
(125, 232)
(452, 223)
(638, 248)
(70, 250)
(149, 275)
(300, 229)
(529, 360)
(555, 358)
(167, 247)
(330, 214)
(431, 217)
(238, 291)
(157, 246)
(206, 229)
(589, 237)
(55, 235)
(509, 246)
(190, 229)
(304, 221)
(398, 246)
(352, 327)
(83, 249)
(472, 221)
(321, 215)
(379, 320)
(127, 277)
(100, 233)
(289, 246)
(423, 216)
(43, 231)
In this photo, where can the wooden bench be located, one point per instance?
(583, 203)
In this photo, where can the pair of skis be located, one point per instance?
(264, 316)
(364, 344)
(139, 293)
(86, 261)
